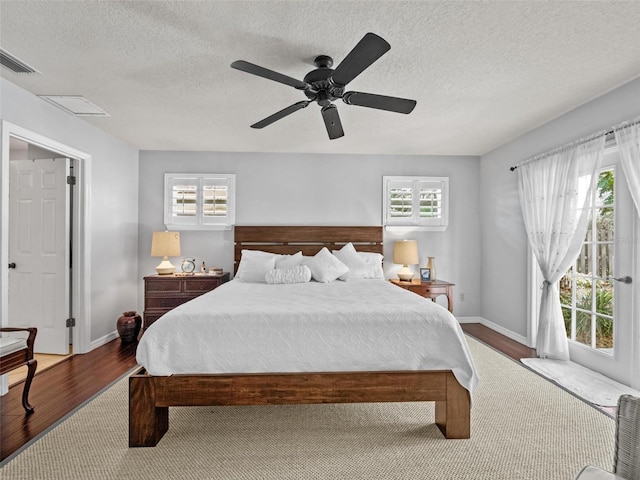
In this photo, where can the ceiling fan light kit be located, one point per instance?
(324, 85)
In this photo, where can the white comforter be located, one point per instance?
(357, 325)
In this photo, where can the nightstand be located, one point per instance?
(163, 293)
(430, 289)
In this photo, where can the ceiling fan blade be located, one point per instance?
(268, 74)
(381, 102)
(281, 114)
(332, 122)
(367, 51)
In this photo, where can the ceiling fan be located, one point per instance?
(324, 85)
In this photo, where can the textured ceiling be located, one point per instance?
(482, 73)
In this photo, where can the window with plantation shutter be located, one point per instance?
(416, 202)
(199, 201)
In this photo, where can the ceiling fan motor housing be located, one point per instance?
(321, 89)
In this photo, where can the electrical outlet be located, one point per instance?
(462, 297)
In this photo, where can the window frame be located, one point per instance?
(200, 220)
(416, 184)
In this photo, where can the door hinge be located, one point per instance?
(71, 322)
(71, 180)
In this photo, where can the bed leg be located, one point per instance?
(147, 423)
(453, 415)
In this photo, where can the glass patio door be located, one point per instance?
(597, 292)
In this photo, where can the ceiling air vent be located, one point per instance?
(75, 105)
(13, 64)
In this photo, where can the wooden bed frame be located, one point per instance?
(151, 396)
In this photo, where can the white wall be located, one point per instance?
(504, 242)
(315, 189)
(113, 184)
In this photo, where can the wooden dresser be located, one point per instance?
(163, 293)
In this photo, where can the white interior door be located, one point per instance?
(39, 250)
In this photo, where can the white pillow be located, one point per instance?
(254, 265)
(286, 261)
(374, 261)
(325, 267)
(297, 274)
(357, 266)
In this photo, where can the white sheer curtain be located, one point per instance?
(628, 140)
(555, 193)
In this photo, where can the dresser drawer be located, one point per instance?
(149, 318)
(427, 291)
(168, 285)
(200, 285)
(164, 302)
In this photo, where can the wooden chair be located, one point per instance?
(16, 352)
(626, 461)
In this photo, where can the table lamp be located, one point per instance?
(405, 252)
(165, 245)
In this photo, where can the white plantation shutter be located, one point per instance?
(400, 196)
(431, 199)
(184, 201)
(199, 202)
(215, 201)
(416, 201)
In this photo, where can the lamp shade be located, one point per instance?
(165, 244)
(405, 252)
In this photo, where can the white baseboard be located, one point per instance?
(103, 340)
(493, 326)
(470, 319)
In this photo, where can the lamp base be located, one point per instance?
(405, 274)
(165, 267)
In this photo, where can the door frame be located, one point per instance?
(81, 239)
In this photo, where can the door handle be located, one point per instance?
(12, 265)
(626, 279)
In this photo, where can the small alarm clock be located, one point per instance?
(188, 265)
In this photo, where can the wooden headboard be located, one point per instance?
(288, 240)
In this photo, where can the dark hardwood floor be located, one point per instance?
(503, 344)
(58, 390)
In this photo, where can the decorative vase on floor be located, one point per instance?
(431, 264)
(129, 324)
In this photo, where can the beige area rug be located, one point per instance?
(523, 427)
